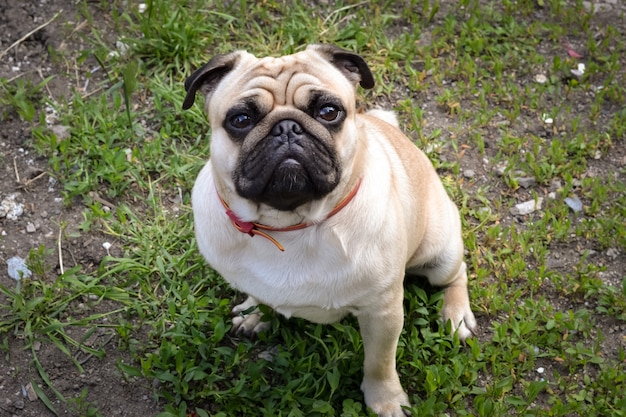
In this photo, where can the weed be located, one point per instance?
(22, 96)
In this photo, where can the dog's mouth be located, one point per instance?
(289, 186)
(288, 167)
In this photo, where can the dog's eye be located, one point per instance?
(329, 113)
(241, 121)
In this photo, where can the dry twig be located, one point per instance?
(17, 174)
(61, 268)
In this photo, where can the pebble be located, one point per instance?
(30, 228)
(527, 207)
(574, 203)
(612, 253)
(10, 209)
(17, 269)
(122, 47)
(541, 78)
(556, 185)
(500, 168)
(30, 392)
(541, 370)
(547, 119)
(469, 173)
(579, 71)
(52, 182)
(52, 116)
(526, 182)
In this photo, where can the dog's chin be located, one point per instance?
(288, 187)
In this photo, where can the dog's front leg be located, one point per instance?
(380, 329)
(247, 318)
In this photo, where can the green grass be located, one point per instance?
(132, 144)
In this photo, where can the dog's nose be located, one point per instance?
(287, 130)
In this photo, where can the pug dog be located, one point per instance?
(319, 210)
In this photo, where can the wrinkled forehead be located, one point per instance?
(284, 81)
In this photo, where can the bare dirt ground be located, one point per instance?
(25, 174)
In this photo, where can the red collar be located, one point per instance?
(260, 229)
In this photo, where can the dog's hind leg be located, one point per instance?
(452, 276)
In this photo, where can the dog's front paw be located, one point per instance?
(247, 318)
(386, 398)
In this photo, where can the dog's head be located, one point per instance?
(282, 128)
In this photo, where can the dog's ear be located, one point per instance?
(208, 76)
(352, 66)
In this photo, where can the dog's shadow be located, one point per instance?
(422, 307)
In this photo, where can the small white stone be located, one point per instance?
(547, 119)
(541, 79)
(17, 268)
(527, 207)
(122, 47)
(541, 370)
(574, 203)
(10, 209)
(577, 73)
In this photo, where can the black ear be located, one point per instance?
(208, 76)
(350, 64)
